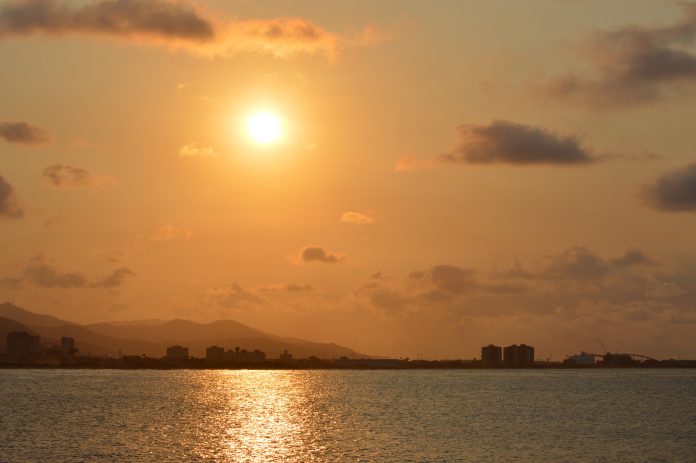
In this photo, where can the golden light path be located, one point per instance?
(264, 127)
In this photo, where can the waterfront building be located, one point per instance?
(215, 354)
(285, 357)
(21, 343)
(518, 356)
(177, 353)
(492, 355)
(67, 346)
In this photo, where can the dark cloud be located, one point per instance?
(675, 191)
(173, 20)
(9, 203)
(317, 254)
(23, 133)
(114, 280)
(176, 23)
(64, 176)
(512, 143)
(633, 257)
(42, 273)
(577, 263)
(634, 64)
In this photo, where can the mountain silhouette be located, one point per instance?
(151, 337)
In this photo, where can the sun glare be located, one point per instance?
(264, 127)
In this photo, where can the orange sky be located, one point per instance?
(448, 174)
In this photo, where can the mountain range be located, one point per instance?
(151, 337)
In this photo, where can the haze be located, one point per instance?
(448, 174)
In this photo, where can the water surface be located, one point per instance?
(305, 416)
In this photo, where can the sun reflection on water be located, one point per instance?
(259, 415)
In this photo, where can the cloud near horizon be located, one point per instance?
(23, 133)
(71, 177)
(44, 274)
(193, 150)
(634, 65)
(505, 142)
(177, 24)
(673, 192)
(9, 202)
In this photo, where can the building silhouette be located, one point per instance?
(286, 357)
(67, 346)
(215, 354)
(518, 356)
(21, 344)
(492, 355)
(177, 353)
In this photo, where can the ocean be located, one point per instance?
(599, 415)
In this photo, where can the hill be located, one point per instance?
(152, 337)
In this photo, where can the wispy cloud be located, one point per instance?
(193, 150)
(169, 232)
(42, 273)
(357, 218)
(23, 133)
(71, 177)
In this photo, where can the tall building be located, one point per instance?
(67, 346)
(21, 343)
(177, 353)
(215, 354)
(492, 355)
(518, 356)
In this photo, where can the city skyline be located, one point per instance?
(398, 178)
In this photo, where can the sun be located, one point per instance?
(264, 127)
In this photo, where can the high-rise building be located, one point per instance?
(21, 343)
(492, 355)
(518, 356)
(215, 354)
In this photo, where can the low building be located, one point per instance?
(215, 354)
(244, 356)
(21, 344)
(618, 360)
(285, 357)
(177, 353)
(492, 355)
(582, 358)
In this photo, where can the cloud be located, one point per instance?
(71, 177)
(634, 65)
(9, 203)
(230, 297)
(54, 221)
(633, 257)
(169, 232)
(512, 143)
(504, 142)
(42, 273)
(357, 218)
(23, 133)
(289, 287)
(177, 24)
(675, 191)
(316, 254)
(192, 150)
